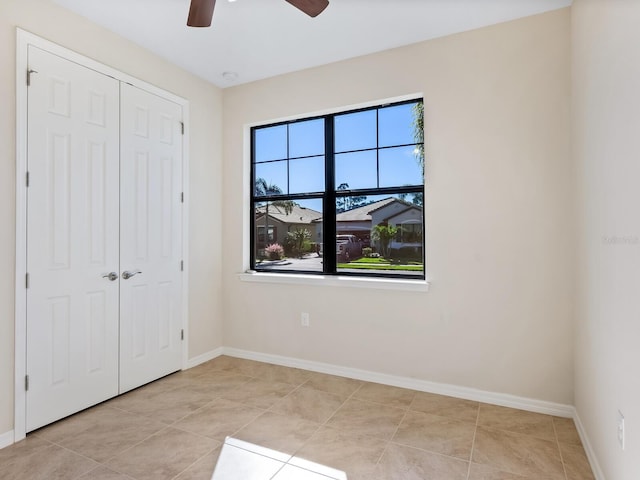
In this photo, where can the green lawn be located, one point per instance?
(380, 263)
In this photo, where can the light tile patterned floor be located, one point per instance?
(174, 428)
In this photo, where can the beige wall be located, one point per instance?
(76, 33)
(606, 134)
(498, 212)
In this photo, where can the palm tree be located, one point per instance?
(384, 233)
(265, 189)
(418, 133)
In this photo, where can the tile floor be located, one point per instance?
(174, 429)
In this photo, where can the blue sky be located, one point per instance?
(353, 131)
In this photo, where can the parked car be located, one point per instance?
(348, 247)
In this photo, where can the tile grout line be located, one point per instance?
(320, 425)
(473, 441)
(341, 405)
(219, 397)
(264, 410)
(172, 424)
(269, 410)
(167, 427)
(555, 431)
(196, 461)
(98, 464)
(386, 447)
(131, 447)
(104, 462)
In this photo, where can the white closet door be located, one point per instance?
(150, 237)
(72, 239)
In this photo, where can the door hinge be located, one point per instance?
(26, 281)
(26, 383)
(181, 334)
(29, 72)
(182, 265)
(27, 179)
(181, 197)
(182, 127)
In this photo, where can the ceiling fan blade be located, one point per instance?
(201, 13)
(313, 8)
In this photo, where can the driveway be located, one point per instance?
(311, 262)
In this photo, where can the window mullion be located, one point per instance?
(252, 195)
(329, 204)
(288, 161)
(377, 148)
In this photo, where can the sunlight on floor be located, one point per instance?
(245, 460)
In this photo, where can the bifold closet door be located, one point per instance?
(72, 238)
(150, 237)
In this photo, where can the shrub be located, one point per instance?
(308, 246)
(367, 251)
(289, 245)
(410, 254)
(298, 242)
(275, 251)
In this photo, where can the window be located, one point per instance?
(341, 193)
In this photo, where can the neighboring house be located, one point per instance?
(407, 217)
(280, 222)
(358, 221)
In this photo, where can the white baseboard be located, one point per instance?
(205, 357)
(591, 455)
(502, 399)
(6, 439)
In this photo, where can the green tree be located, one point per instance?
(384, 233)
(418, 133)
(265, 189)
(417, 198)
(298, 240)
(349, 203)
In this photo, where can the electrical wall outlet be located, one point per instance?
(304, 319)
(621, 429)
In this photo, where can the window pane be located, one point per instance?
(274, 176)
(306, 175)
(357, 170)
(294, 240)
(270, 143)
(383, 236)
(400, 166)
(355, 131)
(395, 125)
(374, 150)
(306, 138)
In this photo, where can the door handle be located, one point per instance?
(113, 276)
(127, 274)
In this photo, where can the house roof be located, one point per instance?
(297, 215)
(363, 214)
(405, 210)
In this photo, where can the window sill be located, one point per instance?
(336, 281)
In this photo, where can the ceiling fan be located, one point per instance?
(201, 11)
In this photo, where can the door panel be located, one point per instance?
(72, 239)
(150, 237)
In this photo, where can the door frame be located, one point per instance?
(25, 39)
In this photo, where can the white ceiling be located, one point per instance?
(262, 38)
